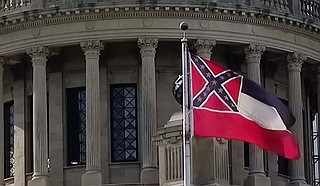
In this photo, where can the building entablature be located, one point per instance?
(35, 14)
(284, 26)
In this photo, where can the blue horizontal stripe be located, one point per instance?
(256, 91)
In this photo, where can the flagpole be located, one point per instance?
(186, 108)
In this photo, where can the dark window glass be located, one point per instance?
(76, 125)
(246, 154)
(29, 144)
(9, 139)
(124, 123)
(283, 163)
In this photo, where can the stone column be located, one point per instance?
(19, 124)
(257, 176)
(38, 56)
(149, 170)
(210, 159)
(92, 176)
(2, 61)
(56, 127)
(104, 122)
(295, 61)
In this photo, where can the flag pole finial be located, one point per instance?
(184, 26)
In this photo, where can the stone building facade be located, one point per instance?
(86, 89)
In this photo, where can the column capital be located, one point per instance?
(148, 46)
(254, 52)
(91, 45)
(204, 47)
(3, 61)
(38, 54)
(295, 61)
(92, 48)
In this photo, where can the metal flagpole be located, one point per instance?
(186, 108)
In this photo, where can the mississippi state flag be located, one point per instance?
(226, 105)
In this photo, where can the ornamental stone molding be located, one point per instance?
(254, 52)
(222, 140)
(38, 55)
(19, 22)
(3, 61)
(148, 46)
(295, 61)
(91, 48)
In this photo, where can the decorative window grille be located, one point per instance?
(76, 125)
(9, 139)
(124, 143)
(315, 151)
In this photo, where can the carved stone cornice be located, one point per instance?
(27, 21)
(204, 47)
(168, 135)
(295, 61)
(222, 140)
(38, 55)
(148, 46)
(91, 48)
(254, 52)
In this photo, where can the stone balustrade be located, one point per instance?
(169, 141)
(310, 8)
(304, 10)
(12, 4)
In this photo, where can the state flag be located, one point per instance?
(227, 105)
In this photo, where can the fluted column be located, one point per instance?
(38, 56)
(56, 122)
(257, 176)
(92, 175)
(149, 171)
(2, 61)
(295, 61)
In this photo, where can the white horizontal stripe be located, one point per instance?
(219, 111)
(266, 116)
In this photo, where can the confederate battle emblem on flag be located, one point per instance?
(216, 86)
